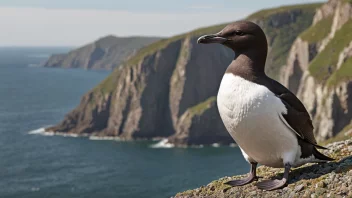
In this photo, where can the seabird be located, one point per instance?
(268, 122)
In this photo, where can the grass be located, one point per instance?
(150, 49)
(280, 40)
(318, 32)
(342, 74)
(324, 64)
(109, 84)
(302, 23)
(267, 12)
(201, 107)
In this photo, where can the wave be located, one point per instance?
(104, 138)
(233, 145)
(37, 131)
(41, 131)
(215, 145)
(164, 143)
(197, 146)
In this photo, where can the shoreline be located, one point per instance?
(159, 143)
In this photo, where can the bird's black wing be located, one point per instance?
(297, 117)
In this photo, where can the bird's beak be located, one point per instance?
(211, 38)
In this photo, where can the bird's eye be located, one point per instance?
(239, 33)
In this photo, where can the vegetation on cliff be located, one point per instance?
(280, 35)
(142, 99)
(319, 66)
(325, 63)
(201, 107)
(318, 31)
(104, 53)
(267, 12)
(342, 74)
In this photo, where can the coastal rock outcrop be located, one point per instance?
(201, 124)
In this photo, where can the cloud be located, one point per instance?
(67, 27)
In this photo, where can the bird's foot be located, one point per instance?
(272, 184)
(242, 182)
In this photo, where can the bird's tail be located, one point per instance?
(321, 156)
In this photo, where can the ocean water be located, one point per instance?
(34, 165)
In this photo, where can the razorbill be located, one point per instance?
(268, 122)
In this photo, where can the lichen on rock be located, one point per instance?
(333, 179)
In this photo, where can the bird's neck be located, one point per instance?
(248, 64)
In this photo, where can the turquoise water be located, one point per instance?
(34, 165)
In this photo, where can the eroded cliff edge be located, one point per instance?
(319, 68)
(167, 89)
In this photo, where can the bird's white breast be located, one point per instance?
(250, 113)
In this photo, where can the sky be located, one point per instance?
(77, 22)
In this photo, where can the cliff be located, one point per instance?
(319, 68)
(167, 89)
(105, 53)
(333, 179)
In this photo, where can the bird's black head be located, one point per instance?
(239, 36)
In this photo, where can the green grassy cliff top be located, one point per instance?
(267, 12)
(318, 32)
(279, 51)
(324, 64)
(213, 29)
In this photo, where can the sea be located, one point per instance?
(37, 164)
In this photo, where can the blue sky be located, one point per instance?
(76, 22)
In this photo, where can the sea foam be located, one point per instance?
(215, 145)
(164, 143)
(41, 131)
(104, 138)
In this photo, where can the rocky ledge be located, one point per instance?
(332, 179)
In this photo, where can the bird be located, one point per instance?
(268, 122)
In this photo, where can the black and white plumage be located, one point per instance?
(267, 121)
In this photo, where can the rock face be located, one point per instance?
(316, 68)
(167, 89)
(332, 179)
(105, 53)
(201, 124)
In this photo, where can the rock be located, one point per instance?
(321, 184)
(252, 194)
(348, 142)
(332, 184)
(350, 148)
(299, 188)
(197, 121)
